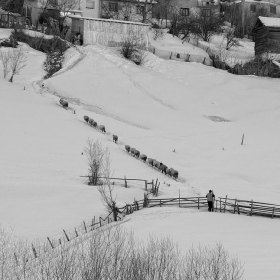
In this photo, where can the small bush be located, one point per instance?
(158, 33)
(132, 49)
(53, 63)
(263, 67)
(40, 43)
(9, 43)
(258, 67)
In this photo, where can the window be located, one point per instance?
(113, 7)
(273, 9)
(140, 10)
(253, 8)
(206, 12)
(90, 4)
(184, 11)
(53, 3)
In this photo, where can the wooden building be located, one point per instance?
(266, 35)
(109, 32)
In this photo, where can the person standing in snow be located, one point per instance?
(210, 200)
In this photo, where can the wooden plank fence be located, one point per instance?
(223, 205)
(249, 207)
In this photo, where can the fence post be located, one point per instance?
(85, 226)
(100, 221)
(16, 259)
(50, 242)
(225, 204)
(93, 223)
(273, 212)
(234, 207)
(125, 182)
(34, 251)
(251, 208)
(220, 205)
(179, 199)
(66, 235)
(204, 60)
(198, 203)
(153, 185)
(157, 189)
(160, 203)
(238, 211)
(146, 185)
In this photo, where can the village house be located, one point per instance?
(193, 7)
(267, 8)
(266, 34)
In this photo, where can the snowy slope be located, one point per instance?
(162, 106)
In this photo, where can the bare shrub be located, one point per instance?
(5, 59)
(98, 159)
(17, 61)
(158, 33)
(231, 40)
(212, 263)
(206, 26)
(113, 253)
(139, 57)
(132, 49)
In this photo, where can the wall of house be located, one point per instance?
(127, 11)
(264, 6)
(112, 32)
(90, 8)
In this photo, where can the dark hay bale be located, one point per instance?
(151, 161)
(102, 128)
(63, 102)
(127, 147)
(86, 118)
(137, 153)
(94, 124)
(163, 168)
(90, 121)
(115, 138)
(143, 157)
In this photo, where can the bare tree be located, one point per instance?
(5, 59)
(206, 25)
(97, 160)
(230, 38)
(55, 15)
(17, 61)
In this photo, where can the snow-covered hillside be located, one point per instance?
(198, 111)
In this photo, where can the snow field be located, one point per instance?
(157, 108)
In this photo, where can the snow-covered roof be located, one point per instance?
(269, 21)
(112, 20)
(252, 1)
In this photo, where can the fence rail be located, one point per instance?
(249, 207)
(164, 54)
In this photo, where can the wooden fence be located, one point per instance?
(172, 55)
(222, 205)
(248, 207)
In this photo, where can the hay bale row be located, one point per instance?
(152, 162)
(93, 123)
(135, 153)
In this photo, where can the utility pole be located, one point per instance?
(242, 18)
